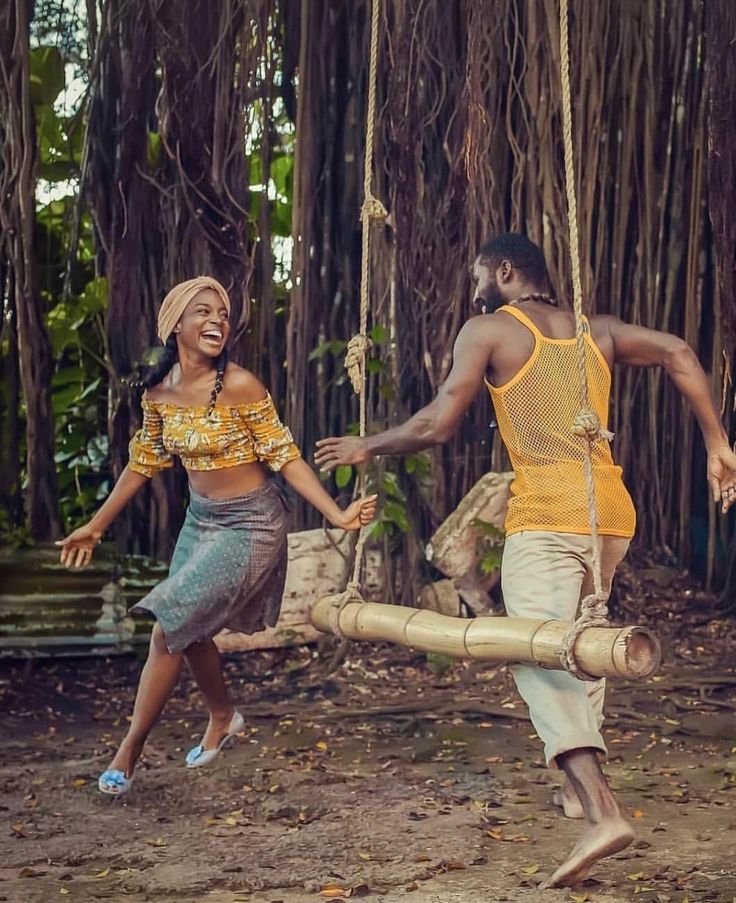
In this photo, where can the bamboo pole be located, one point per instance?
(632, 653)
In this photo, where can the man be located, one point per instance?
(523, 347)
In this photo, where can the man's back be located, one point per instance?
(536, 397)
(513, 343)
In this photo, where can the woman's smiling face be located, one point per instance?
(204, 326)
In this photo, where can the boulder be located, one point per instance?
(319, 562)
(471, 534)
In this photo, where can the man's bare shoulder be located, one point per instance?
(485, 327)
(604, 325)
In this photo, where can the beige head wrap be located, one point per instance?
(175, 303)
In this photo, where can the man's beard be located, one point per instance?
(491, 299)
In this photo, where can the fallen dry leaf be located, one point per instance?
(332, 891)
(155, 841)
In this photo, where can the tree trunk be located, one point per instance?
(123, 159)
(720, 56)
(11, 501)
(17, 222)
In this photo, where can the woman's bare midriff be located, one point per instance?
(227, 482)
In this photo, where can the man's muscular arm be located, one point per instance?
(640, 347)
(433, 424)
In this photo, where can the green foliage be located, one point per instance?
(59, 138)
(47, 75)
(490, 541)
(335, 347)
(12, 535)
(277, 190)
(393, 514)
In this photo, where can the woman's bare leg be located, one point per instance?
(206, 665)
(158, 679)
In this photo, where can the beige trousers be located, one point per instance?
(545, 575)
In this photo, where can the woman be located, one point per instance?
(229, 564)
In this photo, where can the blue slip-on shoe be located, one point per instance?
(114, 783)
(199, 756)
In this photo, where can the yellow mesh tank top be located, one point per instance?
(535, 411)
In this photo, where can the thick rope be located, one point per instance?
(372, 211)
(593, 608)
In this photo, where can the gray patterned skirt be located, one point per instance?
(228, 569)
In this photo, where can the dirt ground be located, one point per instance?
(397, 777)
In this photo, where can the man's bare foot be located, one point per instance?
(217, 729)
(568, 801)
(603, 839)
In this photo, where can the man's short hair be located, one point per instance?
(521, 252)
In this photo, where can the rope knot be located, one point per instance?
(351, 593)
(593, 613)
(373, 210)
(587, 425)
(358, 348)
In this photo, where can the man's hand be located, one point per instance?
(722, 476)
(337, 450)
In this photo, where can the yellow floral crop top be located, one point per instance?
(230, 435)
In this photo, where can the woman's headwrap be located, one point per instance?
(175, 303)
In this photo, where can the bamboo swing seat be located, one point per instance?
(589, 648)
(627, 652)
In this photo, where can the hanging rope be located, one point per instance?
(371, 212)
(587, 425)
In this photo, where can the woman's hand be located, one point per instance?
(357, 515)
(77, 548)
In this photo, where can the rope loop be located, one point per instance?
(351, 593)
(593, 613)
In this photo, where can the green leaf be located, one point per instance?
(343, 475)
(54, 215)
(396, 513)
(420, 464)
(491, 562)
(392, 488)
(281, 219)
(154, 150)
(282, 170)
(333, 347)
(256, 170)
(378, 529)
(93, 299)
(375, 365)
(47, 75)
(52, 141)
(378, 334)
(489, 530)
